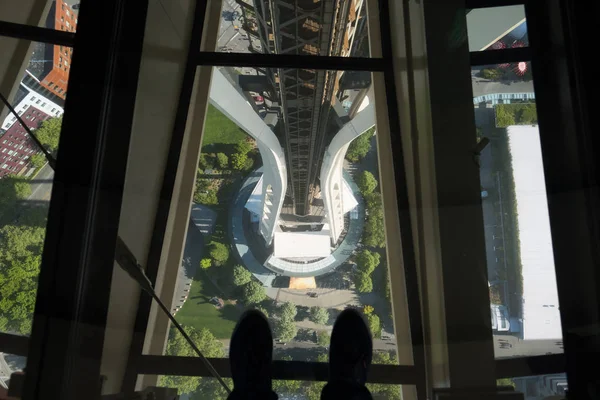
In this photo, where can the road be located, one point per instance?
(41, 185)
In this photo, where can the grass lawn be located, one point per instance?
(199, 313)
(219, 129)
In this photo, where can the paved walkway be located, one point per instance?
(201, 224)
(238, 237)
(328, 298)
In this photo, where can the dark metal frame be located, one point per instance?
(66, 344)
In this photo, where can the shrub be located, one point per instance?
(222, 160)
(219, 253)
(366, 182)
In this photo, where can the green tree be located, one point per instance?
(367, 261)
(49, 132)
(262, 310)
(492, 73)
(312, 390)
(374, 324)
(207, 343)
(360, 146)
(380, 390)
(38, 160)
(366, 182)
(239, 161)
(243, 147)
(222, 160)
(203, 161)
(12, 189)
(506, 382)
(368, 309)
(207, 198)
(319, 315)
(363, 282)
(253, 293)
(241, 275)
(285, 386)
(323, 339)
(20, 257)
(504, 116)
(219, 253)
(285, 329)
(205, 263)
(374, 229)
(288, 311)
(528, 115)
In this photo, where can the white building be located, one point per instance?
(541, 316)
(32, 99)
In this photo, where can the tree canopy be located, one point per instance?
(374, 230)
(285, 329)
(222, 160)
(239, 161)
(205, 263)
(288, 311)
(360, 146)
(219, 253)
(38, 160)
(363, 282)
(241, 275)
(366, 182)
(367, 261)
(49, 133)
(253, 293)
(374, 324)
(12, 189)
(207, 343)
(243, 147)
(504, 117)
(20, 258)
(319, 315)
(323, 339)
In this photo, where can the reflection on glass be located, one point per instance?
(25, 187)
(61, 15)
(287, 214)
(306, 27)
(9, 364)
(522, 280)
(205, 387)
(497, 28)
(538, 387)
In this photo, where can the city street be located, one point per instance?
(41, 185)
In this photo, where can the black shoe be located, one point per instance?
(250, 355)
(351, 349)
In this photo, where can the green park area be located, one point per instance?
(219, 129)
(199, 313)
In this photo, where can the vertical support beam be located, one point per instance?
(467, 304)
(560, 33)
(74, 283)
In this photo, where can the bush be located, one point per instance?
(285, 330)
(38, 160)
(207, 198)
(323, 339)
(243, 147)
(241, 275)
(239, 161)
(363, 282)
(504, 117)
(253, 293)
(366, 182)
(207, 161)
(205, 263)
(368, 309)
(374, 324)
(360, 146)
(219, 253)
(319, 315)
(222, 160)
(367, 261)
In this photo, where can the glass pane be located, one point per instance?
(522, 280)
(538, 387)
(303, 27)
(60, 14)
(9, 364)
(25, 188)
(287, 214)
(497, 28)
(198, 388)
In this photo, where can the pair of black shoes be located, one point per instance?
(251, 353)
